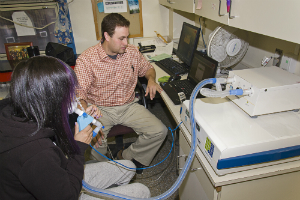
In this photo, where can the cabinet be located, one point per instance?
(183, 5)
(213, 9)
(274, 18)
(202, 184)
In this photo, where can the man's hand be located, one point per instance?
(93, 111)
(98, 139)
(96, 113)
(152, 87)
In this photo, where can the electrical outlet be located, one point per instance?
(289, 62)
(277, 57)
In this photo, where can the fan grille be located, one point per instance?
(217, 48)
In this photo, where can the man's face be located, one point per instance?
(118, 42)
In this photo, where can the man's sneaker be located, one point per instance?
(119, 155)
(138, 165)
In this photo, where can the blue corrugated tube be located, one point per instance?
(105, 193)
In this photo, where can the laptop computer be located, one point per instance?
(187, 45)
(202, 67)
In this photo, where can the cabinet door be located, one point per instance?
(183, 5)
(196, 177)
(165, 3)
(275, 18)
(213, 9)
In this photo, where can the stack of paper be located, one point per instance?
(161, 57)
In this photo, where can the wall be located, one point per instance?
(155, 18)
(259, 45)
(82, 20)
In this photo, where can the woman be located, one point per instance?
(32, 166)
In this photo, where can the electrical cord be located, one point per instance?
(143, 167)
(29, 26)
(33, 26)
(157, 181)
(202, 33)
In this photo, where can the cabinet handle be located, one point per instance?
(220, 9)
(231, 17)
(170, 2)
(195, 169)
(185, 156)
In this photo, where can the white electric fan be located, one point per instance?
(226, 48)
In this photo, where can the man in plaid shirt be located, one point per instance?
(108, 74)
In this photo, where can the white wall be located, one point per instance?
(82, 20)
(155, 18)
(259, 45)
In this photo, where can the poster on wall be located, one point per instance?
(134, 6)
(24, 20)
(115, 6)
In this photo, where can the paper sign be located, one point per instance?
(115, 6)
(22, 18)
(100, 7)
(199, 5)
(134, 6)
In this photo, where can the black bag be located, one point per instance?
(61, 52)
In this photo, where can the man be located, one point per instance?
(107, 74)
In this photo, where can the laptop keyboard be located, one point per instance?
(185, 86)
(172, 67)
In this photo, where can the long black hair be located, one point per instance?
(42, 89)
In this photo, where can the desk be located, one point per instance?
(6, 68)
(277, 182)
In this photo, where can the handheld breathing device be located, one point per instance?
(84, 119)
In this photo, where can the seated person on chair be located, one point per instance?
(108, 74)
(32, 166)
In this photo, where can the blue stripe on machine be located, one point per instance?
(257, 158)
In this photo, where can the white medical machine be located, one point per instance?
(273, 90)
(232, 139)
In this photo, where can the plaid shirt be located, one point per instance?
(107, 82)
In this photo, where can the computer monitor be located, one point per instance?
(203, 67)
(188, 42)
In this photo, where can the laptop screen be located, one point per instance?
(187, 43)
(203, 67)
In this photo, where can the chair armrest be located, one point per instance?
(140, 87)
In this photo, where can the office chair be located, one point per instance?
(156, 99)
(118, 131)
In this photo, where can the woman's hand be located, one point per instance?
(85, 136)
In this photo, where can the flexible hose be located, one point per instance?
(186, 167)
(213, 93)
(144, 167)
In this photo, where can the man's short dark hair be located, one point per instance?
(111, 21)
